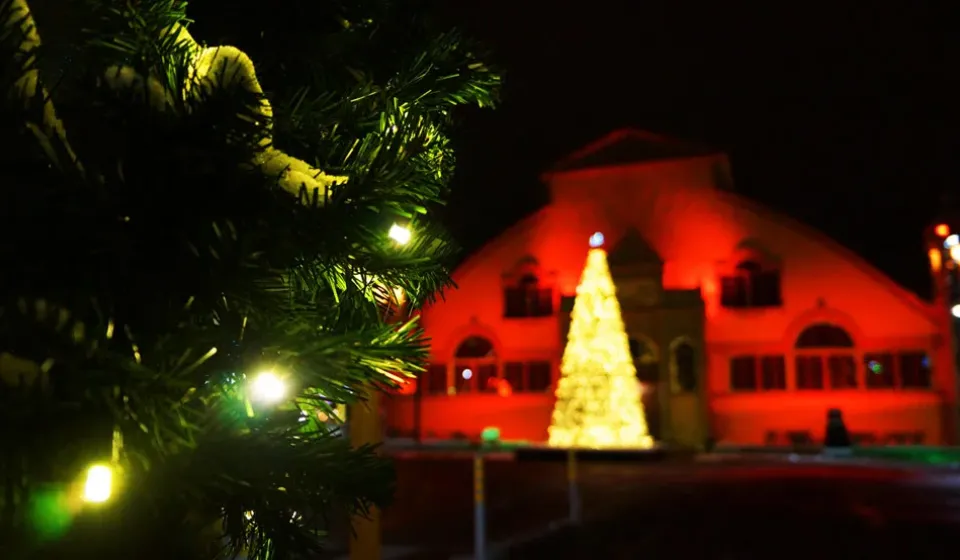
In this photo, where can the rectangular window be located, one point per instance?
(544, 303)
(809, 372)
(751, 288)
(486, 375)
(436, 379)
(773, 373)
(539, 376)
(733, 292)
(527, 301)
(843, 372)
(879, 371)
(915, 370)
(743, 373)
(513, 373)
(514, 302)
(765, 289)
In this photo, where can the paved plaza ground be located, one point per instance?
(680, 509)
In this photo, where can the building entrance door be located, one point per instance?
(647, 363)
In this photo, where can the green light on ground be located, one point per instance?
(490, 434)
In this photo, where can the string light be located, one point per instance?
(268, 388)
(98, 486)
(399, 234)
(598, 397)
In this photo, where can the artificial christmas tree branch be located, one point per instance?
(162, 264)
(210, 68)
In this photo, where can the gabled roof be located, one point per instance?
(628, 146)
(633, 249)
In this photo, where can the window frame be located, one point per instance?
(745, 277)
(757, 362)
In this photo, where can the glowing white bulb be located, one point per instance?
(98, 486)
(399, 234)
(955, 253)
(467, 373)
(951, 241)
(956, 311)
(596, 240)
(268, 388)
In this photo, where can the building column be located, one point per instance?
(664, 391)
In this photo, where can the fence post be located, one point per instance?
(573, 488)
(479, 510)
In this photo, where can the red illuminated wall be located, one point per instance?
(699, 231)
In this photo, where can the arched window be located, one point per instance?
(823, 347)
(751, 284)
(475, 364)
(683, 366)
(646, 359)
(824, 335)
(527, 297)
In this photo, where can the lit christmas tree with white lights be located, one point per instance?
(598, 397)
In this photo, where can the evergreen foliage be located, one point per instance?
(167, 233)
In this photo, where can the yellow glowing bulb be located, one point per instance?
(98, 486)
(936, 259)
(268, 388)
(400, 234)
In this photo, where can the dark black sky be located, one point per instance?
(840, 115)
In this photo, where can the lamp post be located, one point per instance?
(365, 426)
(943, 252)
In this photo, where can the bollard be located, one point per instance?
(365, 429)
(573, 488)
(479, 510)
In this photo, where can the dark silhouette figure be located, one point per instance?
(837, 436)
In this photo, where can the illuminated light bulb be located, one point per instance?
(467, 373)
(955, 253)
(951, 241)
(268, 388)
(399, 234)
(936, 259)
(956, 310)
(596, 240)
(942, 230)
(98, 485)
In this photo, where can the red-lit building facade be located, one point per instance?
(745, 325)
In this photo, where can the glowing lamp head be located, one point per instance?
(596, 240)
(951, 241)
(98, 485)
(399, 234)
(268, 388)
(942, 230)
(955, 310)
(955, 253)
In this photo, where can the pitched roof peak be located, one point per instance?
(627, 146)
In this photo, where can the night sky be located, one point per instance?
(837, 116)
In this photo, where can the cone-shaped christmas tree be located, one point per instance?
(598, 397)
